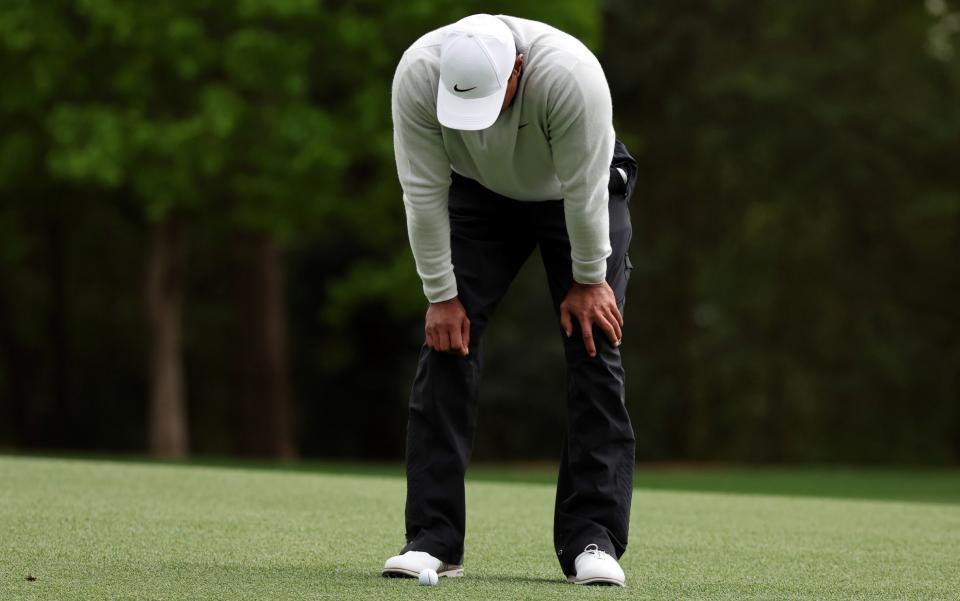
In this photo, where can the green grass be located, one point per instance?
(98, 529)
(935, 485)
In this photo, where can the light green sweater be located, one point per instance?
(555, 141)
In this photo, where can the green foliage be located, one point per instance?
(798, 228)
(797, 218)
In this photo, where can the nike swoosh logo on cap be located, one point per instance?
(456, 89)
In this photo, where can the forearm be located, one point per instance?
(587, 216)
(423, 169)
(428, 228)
(583, 149)
(589, 246)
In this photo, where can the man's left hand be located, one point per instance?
(592, 304)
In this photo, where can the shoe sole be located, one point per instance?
(599, 581)
(451, 572)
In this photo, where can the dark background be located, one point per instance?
(203, 245)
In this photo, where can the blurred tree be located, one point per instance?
(226, 168)
(799, 222)
(200, 109)
(34, 335)
(131, 124)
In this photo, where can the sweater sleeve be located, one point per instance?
(423, 169)
(580, 121)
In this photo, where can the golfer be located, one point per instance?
(504, 143)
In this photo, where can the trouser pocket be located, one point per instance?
(624, 160)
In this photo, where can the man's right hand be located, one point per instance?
(447, 328)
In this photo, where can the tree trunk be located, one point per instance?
(163, 294)
(265, 407)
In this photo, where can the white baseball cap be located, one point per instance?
(476, 60)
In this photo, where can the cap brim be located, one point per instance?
(457, 112)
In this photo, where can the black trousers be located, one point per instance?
(491, 238)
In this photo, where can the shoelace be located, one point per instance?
(594, 550)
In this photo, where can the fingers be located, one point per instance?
(465, 335)
(565, 320)
(438, 339)
(450, 338)
(443, 340)
(588, 336)
(616, 324)
(606, 324)
(456, 339)
(616, 312)
(447, 328)
(608, 327)
(592, 305)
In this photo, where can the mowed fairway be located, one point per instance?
(114, 530)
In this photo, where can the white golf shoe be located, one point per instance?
(411, 563)
(594, 566)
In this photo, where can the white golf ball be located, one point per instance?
(429, 577)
